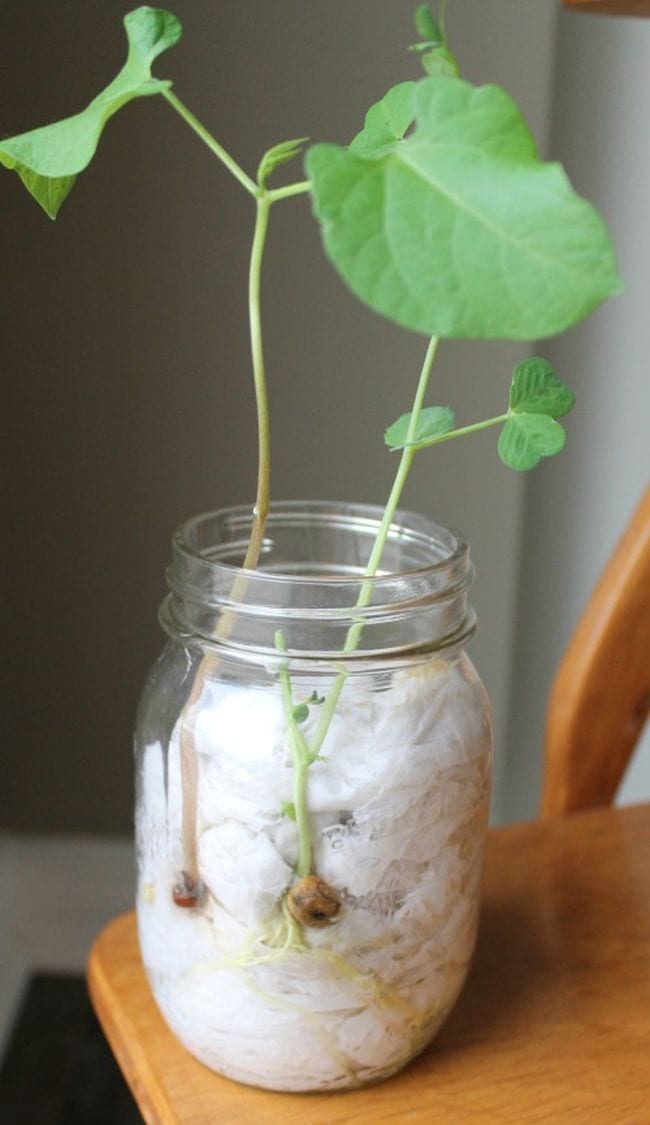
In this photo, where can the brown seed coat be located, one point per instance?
(313, 902)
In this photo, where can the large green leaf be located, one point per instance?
(459, 230)
(48, 159)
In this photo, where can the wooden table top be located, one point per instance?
(553, 1024)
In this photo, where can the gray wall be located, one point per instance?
(126, 369)
(576, 510)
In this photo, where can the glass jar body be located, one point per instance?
(344, 988)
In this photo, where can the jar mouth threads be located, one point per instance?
(310, 575)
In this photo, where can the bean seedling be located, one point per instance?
(440, 216)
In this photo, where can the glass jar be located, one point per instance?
(313, 759)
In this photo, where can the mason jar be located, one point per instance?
(313, 760)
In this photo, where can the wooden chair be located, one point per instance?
(601, 693)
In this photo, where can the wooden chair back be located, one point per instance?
(600, 697)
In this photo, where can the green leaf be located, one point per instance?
(426, 26)
(300, 713)
(437, 59)
(440, 62)
(316, 699)
(289, 809)
(49, 191)
(459, 230)
(280, 154)
(48, 159)
(536, 389)
(433, 421)
(386, 121)
(526, 438)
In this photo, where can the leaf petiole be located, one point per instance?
(462, 431)
(300, 188)
(214, 146)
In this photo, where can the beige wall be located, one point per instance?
(125, 359)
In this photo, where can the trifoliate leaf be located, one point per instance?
(536, 389)
(433, 421)
(459, 230)
(386, 121)
(526, 438)
(280, 154)
(48, 159)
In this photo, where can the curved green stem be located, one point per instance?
(261, 509)
(189, 775)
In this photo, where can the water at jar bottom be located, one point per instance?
(398, 810)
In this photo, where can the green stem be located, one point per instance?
(261, 509)
(290, 190)
(263, 491)
(301, 761)
(189, 778)
(461, 432)
(210, 141)
(354, 632)
(442, 19)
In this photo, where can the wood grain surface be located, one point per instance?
(553, 1024)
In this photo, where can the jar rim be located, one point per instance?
(406, 524)
(310, 586)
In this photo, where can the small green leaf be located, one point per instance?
(526, 438)
(49, 191)
(459, 230)
(433, 421)
(280, 154)
(386, 121)
(437, 58)
(316, 699)
(536, 389)
(48, 159)
(439, 62)
(426, 26)
(300, 713)
(289, 809)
